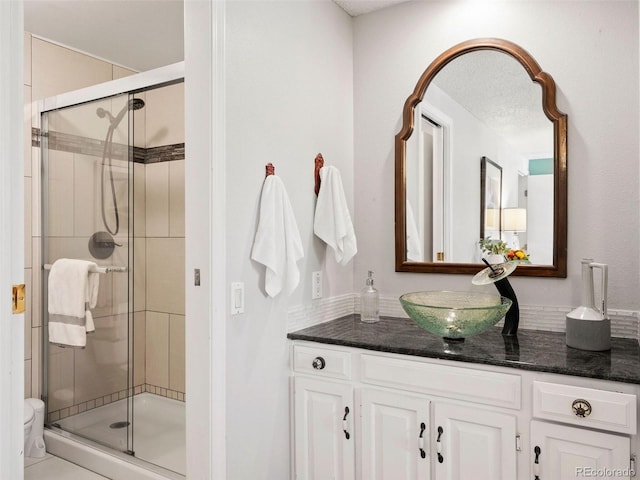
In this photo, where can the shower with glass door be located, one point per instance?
(112, 188)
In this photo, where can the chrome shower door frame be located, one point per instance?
(125, 86)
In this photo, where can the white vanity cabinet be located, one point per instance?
(572, 448)
(571, 453)
(323, 403)
(368, 415)
(473, 443)
(394, 435)
(325, 446)
(375, 416)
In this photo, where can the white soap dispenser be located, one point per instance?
(369, 302)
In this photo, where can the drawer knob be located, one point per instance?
(318, 363)
(581, 407)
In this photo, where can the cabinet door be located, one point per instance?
(395, 435)
(576, 453)
(324, 443)
(472, 443)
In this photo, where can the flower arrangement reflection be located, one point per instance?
(491, 246)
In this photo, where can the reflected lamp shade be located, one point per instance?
(492, 219)
(514, 219)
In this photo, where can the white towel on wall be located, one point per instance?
(73, 291)
(332, 222)
(277, 244)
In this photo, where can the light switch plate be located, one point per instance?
(237, 298)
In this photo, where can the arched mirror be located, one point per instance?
(482, 154)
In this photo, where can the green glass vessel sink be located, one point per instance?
(455, 315)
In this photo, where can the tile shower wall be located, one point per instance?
(164, 241)
(49, 70)
(158, 327)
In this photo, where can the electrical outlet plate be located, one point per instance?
(316, 285)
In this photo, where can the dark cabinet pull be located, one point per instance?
(536, 463)
(318, 363)
(345, 425)
(439, 445)
(423, 454)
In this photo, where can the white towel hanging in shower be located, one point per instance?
(73, 291)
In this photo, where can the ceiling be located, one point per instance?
(138, 34)
(360, 7)
(146, 34)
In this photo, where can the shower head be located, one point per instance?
(132, 104)
(136, 104)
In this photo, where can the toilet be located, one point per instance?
(34, 428)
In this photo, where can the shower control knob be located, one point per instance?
(318, 363)
(581, 408)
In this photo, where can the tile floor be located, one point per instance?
(54, 468)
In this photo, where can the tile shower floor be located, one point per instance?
(158, 429)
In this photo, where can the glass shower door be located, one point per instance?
(87, 178)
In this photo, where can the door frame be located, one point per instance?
(122, 88)
(11, 237)
(205, 184)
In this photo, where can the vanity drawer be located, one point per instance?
(479, 386)
(323, 362)
(605, 410)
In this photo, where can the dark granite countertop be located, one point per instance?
(535, 350)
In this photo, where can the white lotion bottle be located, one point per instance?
(369, 302)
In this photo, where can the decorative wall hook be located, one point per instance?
(319, 163)
(269, 169)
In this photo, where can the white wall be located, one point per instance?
(289, 80)
(591, 50)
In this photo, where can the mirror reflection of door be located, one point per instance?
(523, 195)
(427, 232)
(540, 210)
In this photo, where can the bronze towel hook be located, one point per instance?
(269, 169)
(319, 163)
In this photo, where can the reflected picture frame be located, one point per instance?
(490, 199)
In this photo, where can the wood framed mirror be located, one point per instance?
(483, 98)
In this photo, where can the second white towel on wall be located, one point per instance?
(332, 222)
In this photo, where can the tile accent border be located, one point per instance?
(320, 311)
(90, 146)
(624, 323)
(165, 153)
(56, 415)
(165, 392)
